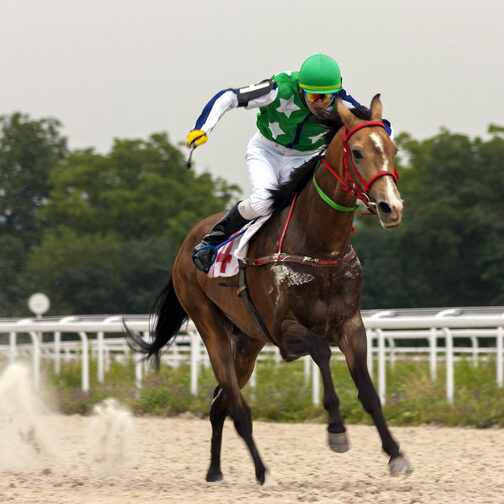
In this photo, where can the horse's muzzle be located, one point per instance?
(389, 213)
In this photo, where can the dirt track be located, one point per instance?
(167, 459)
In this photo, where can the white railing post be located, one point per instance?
(499, 356)
(381, 353)
(85, 361)
(100, 336)
(195, 357)
(57, 350)
(306, 368)
(57, 344)
(369, 357)
(474, 342)
(36, 359)
(433, 353)
(382, 380)
(449, 365)
(433, 339)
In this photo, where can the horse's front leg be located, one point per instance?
(353, 344)
(297, 340)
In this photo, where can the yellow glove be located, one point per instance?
(195, 138)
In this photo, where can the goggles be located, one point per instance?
(313, 97)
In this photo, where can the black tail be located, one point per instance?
(170, 317)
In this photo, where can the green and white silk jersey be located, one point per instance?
(286, 120)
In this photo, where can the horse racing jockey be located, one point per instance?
(286, 138)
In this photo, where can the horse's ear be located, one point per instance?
(347, 117)
(376, 108)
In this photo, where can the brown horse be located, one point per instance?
(307, 295)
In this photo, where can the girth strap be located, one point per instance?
(243, 292)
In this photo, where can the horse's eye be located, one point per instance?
(356, 154)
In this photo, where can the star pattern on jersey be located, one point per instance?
(275, 129)
(287, 107)
(316, 138)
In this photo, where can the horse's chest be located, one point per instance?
(292, 283)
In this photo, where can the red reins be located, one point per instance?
(347, 182)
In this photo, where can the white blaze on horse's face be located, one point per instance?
(379, 145)
(376, 154)
(392, 205)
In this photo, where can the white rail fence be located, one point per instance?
(102, 338)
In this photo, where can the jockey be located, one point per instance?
(286, 137)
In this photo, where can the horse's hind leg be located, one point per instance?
(353, 344)
(218, 413)
(298, 340)
(245, 351)
(214, 328)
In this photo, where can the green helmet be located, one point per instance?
(320, 74)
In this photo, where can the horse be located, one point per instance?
(304, 281)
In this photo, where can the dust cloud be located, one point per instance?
(30, 438)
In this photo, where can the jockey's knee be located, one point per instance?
(254, 207)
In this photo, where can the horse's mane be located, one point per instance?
(282, 195)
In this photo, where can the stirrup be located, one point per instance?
(204, 266)
(202, 262)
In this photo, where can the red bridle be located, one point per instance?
(347, 182)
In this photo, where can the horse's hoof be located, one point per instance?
(261, 475)
(338, 442)
(399, 465)
(214, 476)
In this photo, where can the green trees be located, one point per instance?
(28, 152)
(108, 226)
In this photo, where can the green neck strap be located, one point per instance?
(326, 198)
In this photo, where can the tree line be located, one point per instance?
(98, 232)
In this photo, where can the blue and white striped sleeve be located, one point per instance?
(350, 102)
(222, 102)
(253, 96)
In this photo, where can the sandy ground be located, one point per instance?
(165, 461)
(113, 458)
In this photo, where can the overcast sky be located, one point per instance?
(127, 68)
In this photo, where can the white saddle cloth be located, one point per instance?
(226, 264)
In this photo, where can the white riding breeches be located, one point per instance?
(268, 164)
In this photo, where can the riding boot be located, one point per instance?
(203, 254)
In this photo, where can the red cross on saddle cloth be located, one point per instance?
(226, 264)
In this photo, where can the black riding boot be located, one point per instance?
(229, 224)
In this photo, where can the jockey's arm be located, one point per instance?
(257, 95)
(253, 96)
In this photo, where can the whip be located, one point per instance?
(189, 159)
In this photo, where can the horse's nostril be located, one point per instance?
(384, 208)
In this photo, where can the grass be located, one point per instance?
(282, 394)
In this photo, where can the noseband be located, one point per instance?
(348, 183)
